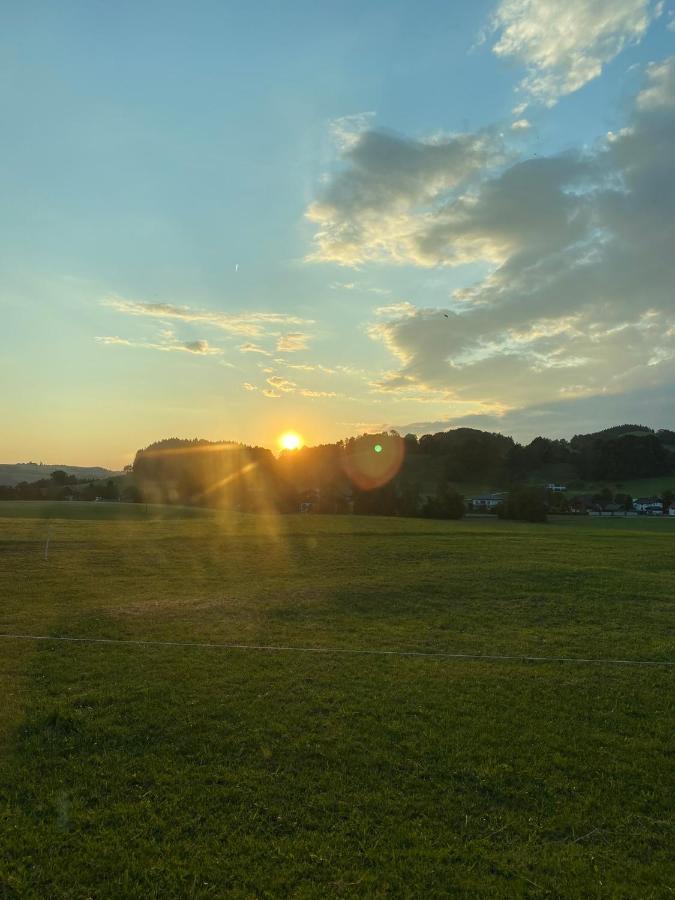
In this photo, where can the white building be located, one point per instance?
(488, 501)
(651, 506)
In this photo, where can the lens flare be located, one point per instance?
(290, 440)
(372, 462)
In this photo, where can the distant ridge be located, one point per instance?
(12, 474)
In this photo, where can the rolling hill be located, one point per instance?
(14, 473)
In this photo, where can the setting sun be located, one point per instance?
(290, 440)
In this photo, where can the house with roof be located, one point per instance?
(487, 502)
(581, 503)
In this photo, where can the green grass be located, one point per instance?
(640, 487)
(103, 511)
(158, 771)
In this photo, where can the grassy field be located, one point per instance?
(639, 487)
(139, 770)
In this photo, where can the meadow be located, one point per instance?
(169, 769)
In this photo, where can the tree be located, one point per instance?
(624, 500)
(446, 504)
(557, 502)
(408, 496)
(629, 456)
(131, 494)
(380, 501)
(411, 443)
(110, 491)
(526, 504)
(604, 497)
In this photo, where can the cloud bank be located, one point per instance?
(579, 297)
(375, 207)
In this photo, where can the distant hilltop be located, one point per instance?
(14, 473)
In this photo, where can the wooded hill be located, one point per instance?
(16, 473)
(389, 473)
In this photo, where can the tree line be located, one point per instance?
(386, 474)
(377, 474)
(62, 486)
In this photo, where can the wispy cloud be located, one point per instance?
(316, 395)
(292, 342)
(113, 340)
(253, 348)
(167, 345)
(200, 347)
(245, 323)
(281, 384)
(307, 367)
(278, 386)
(404, 308)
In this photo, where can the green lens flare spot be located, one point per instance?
(378, 448)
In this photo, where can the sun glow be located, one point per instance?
(290, 440)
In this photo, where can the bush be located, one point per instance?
(525, 505)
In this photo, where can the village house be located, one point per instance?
(487, 501)
(649, 506)
(581, 503)
(610, 509)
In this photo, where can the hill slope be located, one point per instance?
(14, 473)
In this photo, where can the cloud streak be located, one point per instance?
(253, 348)
(168, 345)
(249, 324)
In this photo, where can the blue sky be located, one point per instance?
(237, 218)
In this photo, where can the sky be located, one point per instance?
(232, 219)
